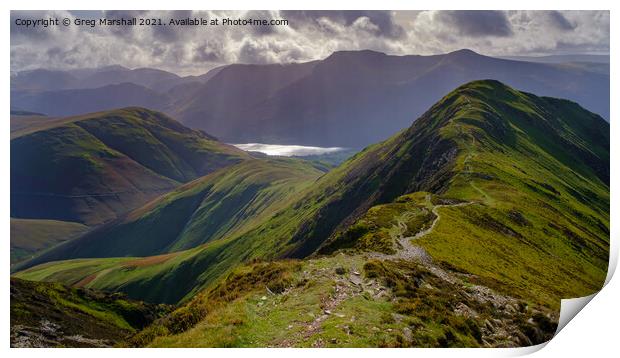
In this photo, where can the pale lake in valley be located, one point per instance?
(287, 150)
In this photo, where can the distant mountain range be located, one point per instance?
(69, 102)
(562, 58)
(336, 101)
(53, 80)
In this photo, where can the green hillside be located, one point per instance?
(91, 168)
(494, 194)
(219, 205)
(31, 236)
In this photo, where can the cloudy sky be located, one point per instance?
(310, 35)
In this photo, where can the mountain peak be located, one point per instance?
(358, 53)
(463, 52)
(484, 90)
(489, 84)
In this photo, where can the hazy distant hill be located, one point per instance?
(70, 102)
(52, 80)
(349, 99)
(339, 102)
(562, 58)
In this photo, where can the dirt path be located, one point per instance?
(468, 170)
(407, 250)
(410, 252)
(354, 283)
(342, 292)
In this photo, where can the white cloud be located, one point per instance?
(310, 35)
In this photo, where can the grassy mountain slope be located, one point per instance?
(92, 167)
(53, 315)
(245, 195)
(222, 204)
(31, 236)
(347, 301)
(537, 170)
(533, 172)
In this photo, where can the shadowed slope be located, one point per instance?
(92, 167)
(224, 203)
(31, 236)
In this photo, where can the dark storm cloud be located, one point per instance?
(560, 22)
(478, 23)
(382, 19)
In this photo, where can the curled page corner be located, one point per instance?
(613, 261)
(570, 307)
